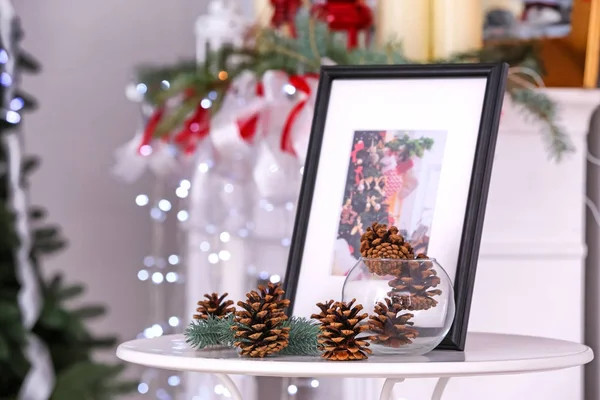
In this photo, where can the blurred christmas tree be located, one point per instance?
(45, 347)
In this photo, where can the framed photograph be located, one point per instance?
(405, 145)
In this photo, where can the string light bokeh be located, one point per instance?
(264, 254)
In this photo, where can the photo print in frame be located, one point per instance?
(406, 145)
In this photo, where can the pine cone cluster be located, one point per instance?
(258, 326)
(390, 328)
(378, 242)
(214, 306)
(415, 284)
(340, 326)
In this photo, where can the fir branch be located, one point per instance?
(210, 332)
(313, 41)
(303, 337)
(89, 312)
(69, 343)
(217, 332)
(213, 331)
(90, 380)
(70, 292)
(227, 335)
(525, 54)
(538, 106)
(272, 46)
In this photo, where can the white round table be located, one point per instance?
(486, 354)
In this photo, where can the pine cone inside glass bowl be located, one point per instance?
(379, 244)
(416, 284)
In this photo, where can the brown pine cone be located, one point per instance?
(417, 303)
(379, 242)
(214, 306)
(258, 325)
(323, 314)
(416, 284)
(385, 267)
(390, 328)
(339, 329)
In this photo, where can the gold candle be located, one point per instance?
(407, 21)
(457, 26)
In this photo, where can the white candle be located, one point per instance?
(263, 12)
(457, 26)
(406, 21)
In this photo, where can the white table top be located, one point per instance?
(486, 354)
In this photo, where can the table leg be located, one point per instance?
(388, 388)
(230, 385)
(439, 388)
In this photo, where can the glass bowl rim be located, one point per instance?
(399, 259)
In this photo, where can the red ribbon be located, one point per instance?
(284, 11)
(301, 84)
(248, 127)
(197, 126)
(194, 129)
(153, 122)
(348, 16)
(358, 174)
(357, 147)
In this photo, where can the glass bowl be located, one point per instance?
(410, 303)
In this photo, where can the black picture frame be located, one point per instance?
(477, 194)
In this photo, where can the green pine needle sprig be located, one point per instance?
(202, 334)
(537, 106)
(303, 337)
(210, 332)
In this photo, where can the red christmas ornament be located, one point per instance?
(284, 13)
(350, 16)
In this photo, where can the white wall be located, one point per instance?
(88, 50)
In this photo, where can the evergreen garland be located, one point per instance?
(305, 54)
(201, 334)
